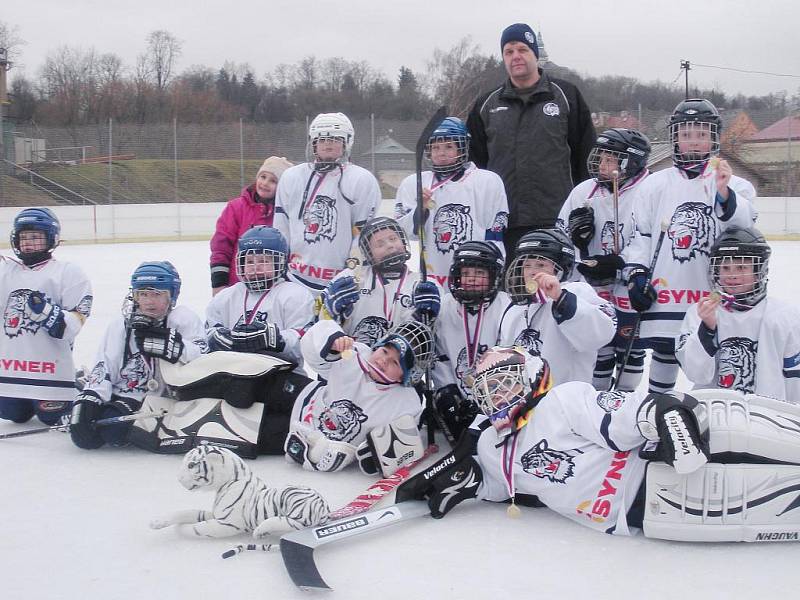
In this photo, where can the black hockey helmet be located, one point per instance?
(740, 246)
(694, 114)
(548, 244)
(393, 260)
(468, 291)
(629, 147)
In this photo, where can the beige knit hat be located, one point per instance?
(275, 165)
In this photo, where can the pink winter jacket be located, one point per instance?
(237, 217)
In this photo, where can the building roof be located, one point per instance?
(388, 145)
(780, 130)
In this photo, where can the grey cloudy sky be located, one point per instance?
(645, 39)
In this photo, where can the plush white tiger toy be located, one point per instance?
(243, 503)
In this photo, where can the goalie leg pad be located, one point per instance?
(310, 448)
(723, 503)
(391, 447)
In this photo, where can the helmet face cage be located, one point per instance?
(157, 275)
(747, 274)
(329, 126)
(475, 287)
(35, 219)
(693, 130)
(451, 129)
(499, 390)
(392, 260)
(253, 259)
(414, 341)
(516, 284)
(623, 150)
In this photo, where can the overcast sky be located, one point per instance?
(645, 39)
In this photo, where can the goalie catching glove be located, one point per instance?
(160, 342)
(390, 447)
(257, 337)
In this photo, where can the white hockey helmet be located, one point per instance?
(333, 126)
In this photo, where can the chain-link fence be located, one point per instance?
(115, 162)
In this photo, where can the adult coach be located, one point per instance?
(536, 132)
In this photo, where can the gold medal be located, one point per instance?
(715, 296)
(714, 162)
(347, 354)
(152, 385)
(531, 287)
(513, 511)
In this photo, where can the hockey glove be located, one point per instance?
(220, 339)
(604, 269)
(457, 412)
(116, 434)
(427, 301)
(87, 408)
(340, 297)
(160, 342)
(678, 424)
(51, 316)
(310, 448)
(641, 292)
(257, 337)
(581, 227)
(390, 447)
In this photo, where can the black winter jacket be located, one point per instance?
(538, 147)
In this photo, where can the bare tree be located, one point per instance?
(10, 40)
(163, 50)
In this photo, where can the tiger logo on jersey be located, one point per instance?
(452, 226)
(500, 224)
(545, 463)
(16, 317)
(692, 231)
(97, 375)
(134, 374)
(341, 421)
(607, 237)
(531, 340)
(320, 220)
(610, 401)
(736, 364)
(370, 329)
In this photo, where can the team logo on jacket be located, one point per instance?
(341, 421)
(736, 364)
(452, 226)
(607, 237)
(17, 315)
(545, 463)
(134, 374)
(610, 401)
(551, 109)
(531, 340)
(370, 329)
(320, 219)
(692, 231)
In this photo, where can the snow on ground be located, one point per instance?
(76, 522)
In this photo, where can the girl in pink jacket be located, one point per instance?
(255, 206)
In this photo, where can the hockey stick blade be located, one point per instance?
(101, 422)
(297, 547)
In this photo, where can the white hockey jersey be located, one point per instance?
(33, 364)
(461, 337)
(694, 220)
(474, 207)
(570, 347)
(755, 351)
(381, 305)
(347, 403)
(120, 368)
(578, 453)
(601, 200)
(287, 304)
(320, 215)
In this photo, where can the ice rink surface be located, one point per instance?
(76, 522)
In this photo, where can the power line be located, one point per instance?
(694, 64)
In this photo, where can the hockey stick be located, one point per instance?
(615, 197)
(100, 422)
(638, 318)
(297, 547)
(433, 417)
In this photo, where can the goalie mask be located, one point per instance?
(33, 249)
(543, 245)
(509, 381)
(623, 150)
(261, 259)
(384, 244)
(476, 273)
(328, 127)
(155, 286)
(414, 343)
(739, 267)
(694, 130)
(448, 147)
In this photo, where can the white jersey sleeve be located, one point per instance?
(190, 326)
(696, 359)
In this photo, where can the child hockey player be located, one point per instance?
(263, 312)
(255, 206)
(322, 204)
(576, 450)
(151, 327)
(45, 303)
(462, 202)
(370, 301)
(698, 200)
(468, 323)
(566, 323)
(600, 225)
(737, 337)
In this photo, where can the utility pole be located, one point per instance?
(4, 66)
(686, 66)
